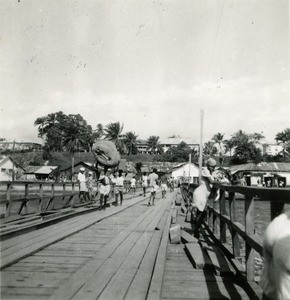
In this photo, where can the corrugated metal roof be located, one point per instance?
(45, 169)
(263, 166)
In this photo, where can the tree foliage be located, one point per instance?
(113, 132)
(65, 132)
(154, 146)
(130, 141)
(283, 138)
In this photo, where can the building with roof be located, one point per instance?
(40, 173)
(8, 168)
(189, 172)
(167, 143)
(260, 174)
(89, 167)
(20, 146)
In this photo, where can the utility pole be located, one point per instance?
(13, 172)
(200, 145)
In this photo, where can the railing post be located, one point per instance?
(250, 230)
(73, 194)
(8, 198)
(223, 227)
(23, 204)
(214, 218)
(210, 219)
(63, 192)
(233, 217)
(40, 197)
(277, 208)
(52, 194)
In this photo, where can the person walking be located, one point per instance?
(153, 178)
(163, 186)
(144, 183)
(83, 185)
(119, 185)
(133, 184)
(201, 194)
(104, 189)
(90, 186)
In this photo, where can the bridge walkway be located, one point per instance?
(120, 253)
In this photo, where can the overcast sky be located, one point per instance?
(152, 65)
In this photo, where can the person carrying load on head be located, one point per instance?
(201, 194)
(104, 189)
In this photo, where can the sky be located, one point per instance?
(152, 65)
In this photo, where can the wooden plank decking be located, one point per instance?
(120, 253)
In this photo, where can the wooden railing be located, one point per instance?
(45, 195)
(222, 221)
(23, 197)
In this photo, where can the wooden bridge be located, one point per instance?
(125, 252)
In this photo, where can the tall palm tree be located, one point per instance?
(218, 139)
(284, 139)
(130, 141)
(229, 146)
(209, 148)
(73, 140)
(154, 145)
(113, 132)
(99, 131)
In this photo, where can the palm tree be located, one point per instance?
(113, 132)
(229, 146)
(73, 145)
(130, 140)
(99, 131)
(218, 139)
(209, 148)
(283, 138)
(154, 145)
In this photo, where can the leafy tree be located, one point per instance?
(57, 128)
(283, 138)
(113, 132)
(245, 149)
(154, 145)
(75, 135)
(130, 141)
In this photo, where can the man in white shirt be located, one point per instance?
(104, 189)
(153, 177)
(119, 187)
(133, 184)
(201, 194)
(83, 185)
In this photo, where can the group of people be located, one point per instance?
(105, 185)
(113, 184)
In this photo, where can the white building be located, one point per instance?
(174, 142)
(186, 171)
(272, 149)
(7, 167)
(167, 143)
